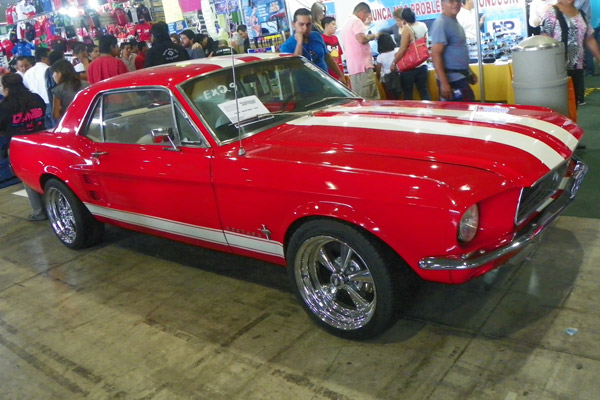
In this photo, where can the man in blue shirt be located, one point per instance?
(450, 55)
(309, 44)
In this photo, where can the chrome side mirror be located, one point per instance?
(162, 133)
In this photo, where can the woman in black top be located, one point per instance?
(21, 112)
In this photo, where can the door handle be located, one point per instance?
(99, 153)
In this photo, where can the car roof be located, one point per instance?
(170, 75)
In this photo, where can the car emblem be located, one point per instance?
(265, 232)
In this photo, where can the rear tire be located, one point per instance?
(71, 221)
(342, 278)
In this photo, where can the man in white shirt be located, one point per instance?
(467, 19)
(35, 80)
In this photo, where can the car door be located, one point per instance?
(147, 181)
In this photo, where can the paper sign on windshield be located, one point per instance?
(249, 106)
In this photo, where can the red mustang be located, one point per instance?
(272, 159)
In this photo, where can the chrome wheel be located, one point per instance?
(61, 216)
(335, 282)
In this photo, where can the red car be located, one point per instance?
(272, 159)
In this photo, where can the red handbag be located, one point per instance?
(416, 54)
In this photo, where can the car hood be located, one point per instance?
(520, 143)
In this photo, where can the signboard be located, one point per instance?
(265, 17)
(226, 6)
(177, 26)
(504, 16)
(500, 15)
(172, 11)
(248, 107)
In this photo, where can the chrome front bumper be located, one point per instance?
(523, 238)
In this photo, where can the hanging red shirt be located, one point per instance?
(143, 31)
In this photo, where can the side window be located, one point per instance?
(130, 117)
(187, 133)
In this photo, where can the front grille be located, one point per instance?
(536, 195)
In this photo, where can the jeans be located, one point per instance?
(418, 77)
(48, 120)
(461, 91)
(37, 202)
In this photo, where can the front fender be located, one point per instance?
(332, 209)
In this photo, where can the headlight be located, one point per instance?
(467, 228)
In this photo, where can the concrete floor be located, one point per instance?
(145, 318)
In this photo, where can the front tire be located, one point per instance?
(71, 221)
(342, 278)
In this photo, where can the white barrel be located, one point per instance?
(540, 73)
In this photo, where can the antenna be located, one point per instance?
(241, 150)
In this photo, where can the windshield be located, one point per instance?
(284, 86)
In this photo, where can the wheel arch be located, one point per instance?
(45, 177)
(376, 240)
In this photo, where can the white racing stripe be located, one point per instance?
(245, 242)
(476, 113)
(546, 154)
(259, 245)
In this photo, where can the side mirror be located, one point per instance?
(159, 135)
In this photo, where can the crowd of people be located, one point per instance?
(573, 22)
(314, 38)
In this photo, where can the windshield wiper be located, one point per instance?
(262, 117)
(332, 98)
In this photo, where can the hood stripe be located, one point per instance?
(543, 152)
(475, 114)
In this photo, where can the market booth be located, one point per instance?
(497, 83)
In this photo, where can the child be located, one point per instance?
(332, 43)
(389, 79)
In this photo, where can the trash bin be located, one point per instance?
(540, 73)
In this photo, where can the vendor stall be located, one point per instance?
(497, 84)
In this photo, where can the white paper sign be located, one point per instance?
(250, 106)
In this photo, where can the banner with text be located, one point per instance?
(500, 15)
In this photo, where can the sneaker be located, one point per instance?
(581, 103)
(36, 217)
